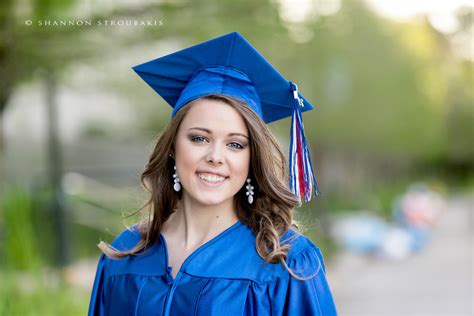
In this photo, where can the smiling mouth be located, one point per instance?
(211, 178)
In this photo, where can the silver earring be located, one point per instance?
(177, 185)
(249, 192)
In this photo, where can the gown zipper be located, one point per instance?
(174, 282)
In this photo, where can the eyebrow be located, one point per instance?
(210, 132)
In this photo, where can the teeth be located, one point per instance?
(211, 178)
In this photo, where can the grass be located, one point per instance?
(31, 294)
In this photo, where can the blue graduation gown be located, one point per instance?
(224, 276)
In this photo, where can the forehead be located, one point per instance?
(214, 115)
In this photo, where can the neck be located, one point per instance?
(193, 223)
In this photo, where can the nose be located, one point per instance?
(215, 155)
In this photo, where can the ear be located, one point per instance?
(172, 151)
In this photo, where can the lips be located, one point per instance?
(211, 182)
(211, 173)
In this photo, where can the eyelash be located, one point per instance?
(193, 139)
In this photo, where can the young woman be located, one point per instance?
(220, 237)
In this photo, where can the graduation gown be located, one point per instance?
(224, 276)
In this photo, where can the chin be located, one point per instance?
(210, 199)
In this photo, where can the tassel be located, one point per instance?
(302, 179)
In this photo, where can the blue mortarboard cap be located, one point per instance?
(230, 65)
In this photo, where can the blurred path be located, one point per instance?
(437, 281)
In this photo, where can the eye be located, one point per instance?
(197, 139)
(238, 145)
(200, 139)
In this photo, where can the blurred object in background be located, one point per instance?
(415, 213)
(361, 232)
(396, 244)
(436, 281)
(419, 207)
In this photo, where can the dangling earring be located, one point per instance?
(177, 185)
(249, 192)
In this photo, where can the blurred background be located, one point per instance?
(391, 139)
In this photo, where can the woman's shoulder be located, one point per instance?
(239, 258)
(298, 241)
(147, 262)
(127, 239)
(304, 254)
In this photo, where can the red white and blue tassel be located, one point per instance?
(302, 179)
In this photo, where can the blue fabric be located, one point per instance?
(215, 66)
(225, 276)
(220, 80)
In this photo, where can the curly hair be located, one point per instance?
(269, 216)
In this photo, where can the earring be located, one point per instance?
(249, 192)
(177, 185)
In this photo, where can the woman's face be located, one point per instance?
(212, 152)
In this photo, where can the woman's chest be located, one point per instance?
(187, 295)
(175, 260)
(176, 255)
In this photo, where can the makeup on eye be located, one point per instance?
(208, 131)
(199, 139)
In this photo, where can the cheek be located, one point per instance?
(241, 166)
(184, 156)
(187, 155)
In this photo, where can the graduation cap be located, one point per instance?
(231, 66)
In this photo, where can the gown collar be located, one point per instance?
(230, 255)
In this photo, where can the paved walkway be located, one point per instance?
(435, 282)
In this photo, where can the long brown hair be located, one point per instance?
(271, 213)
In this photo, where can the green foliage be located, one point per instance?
(29, 294)
(29, 239)
(30, 285)
(21, 247)
(50, 8)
